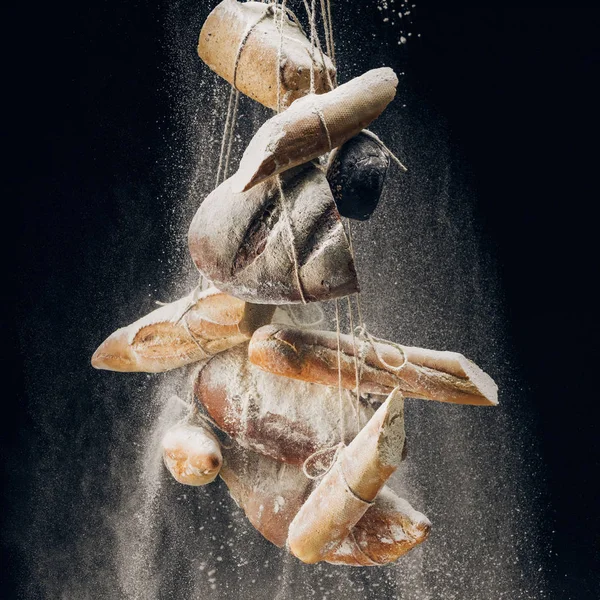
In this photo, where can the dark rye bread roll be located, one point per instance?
(241, 43)
(242, 242)
(314, 125)
(311, 355)
(356, 173)
(283, 418)
(271, 493)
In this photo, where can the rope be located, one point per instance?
(356, 370)
(318, 454)
(392, 155)
(231, 136)
(319, 113)
(326, 28)
(288, 223)
(225, 134)
(339, 364)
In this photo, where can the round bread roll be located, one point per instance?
(192, 453)
(356, 173)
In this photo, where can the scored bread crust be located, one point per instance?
(283, 418)
(267, 248)
(311, 355)
(180, 333)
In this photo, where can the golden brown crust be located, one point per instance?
(180, 333)
(249, 30)
(312, 355)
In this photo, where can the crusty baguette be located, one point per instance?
(182, 332)
(285, 419)
(252, 248)
(248, 33)
(313, 125)
(343, 496)
(271, 494)
(311, 355)
(192, 453)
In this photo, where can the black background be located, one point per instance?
(90, 117)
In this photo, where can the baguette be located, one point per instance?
(250, 246)
(186, 331)
(314, 125)
(390, 528)
(347, 491)
(271, 493)
(312, 356)
(241, 43)
(282, 418)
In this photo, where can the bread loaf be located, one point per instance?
(343, 496)
(192, 453)
(313, 125)
(271, 493)
(182, 332)
(285, 419)
(246, 244)
(311, 355)
(356, 173)
(390, 528)
(268, 491)
(241, 43)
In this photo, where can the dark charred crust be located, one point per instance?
(256, 237)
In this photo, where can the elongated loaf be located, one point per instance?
(313, 125)
(241, 43)
(267, 248)
(182, 332)
(283, 418)
(311, 355)
(271, 494)
(346, 492)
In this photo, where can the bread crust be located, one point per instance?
(311, 355)
(250, 31)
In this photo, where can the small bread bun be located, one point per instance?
(192, 453)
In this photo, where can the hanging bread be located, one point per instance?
(313, 125)
(356, 173)
(241, 43)
(347, 491)
(186, 331)
(192, 453)
(271, 493)
(271, 248)
(390, 528)
(311, 355)
(283, 418)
